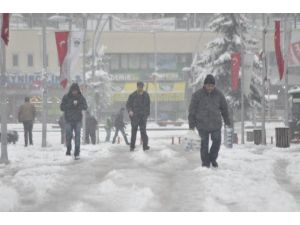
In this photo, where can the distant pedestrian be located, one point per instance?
(26, 115)
(91, 126)
(138, 107)
(120, 126)
(72, 104)
(108, 127)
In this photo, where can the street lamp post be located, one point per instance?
(4, 154)
(45, 85)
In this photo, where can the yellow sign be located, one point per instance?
(165, 91)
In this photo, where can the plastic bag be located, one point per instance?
(191, 141)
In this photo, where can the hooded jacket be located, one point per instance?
(207, 109)
(72, 105)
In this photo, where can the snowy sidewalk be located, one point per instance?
(110, 178)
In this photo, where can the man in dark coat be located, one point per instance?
(91, 127)
(27, 113)
(138, 107)
(120, 126)
(207, 107)
(72, 104)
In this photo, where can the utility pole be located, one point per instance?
(83, 73)
(155, 74)
(45, 85)
(264, 77)
(4, 154)
(242, 87)
(287, 37)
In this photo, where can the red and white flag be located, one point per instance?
(5, 28)
(279, 58)
(235, 69)
(62, 39)
(68, 46)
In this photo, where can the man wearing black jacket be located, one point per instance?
(72, 105)
(138, 107)
(208, 106)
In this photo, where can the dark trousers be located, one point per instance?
(212, 155)
(70, 128)
(90, 134)
(139, 121)
(108, 132)
(122, 132)
(28, 126)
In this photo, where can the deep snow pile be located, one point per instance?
(166, 178)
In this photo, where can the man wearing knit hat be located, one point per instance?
(207, 107)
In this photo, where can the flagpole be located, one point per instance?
(45, 86)
(264, 77)
(4, 154)
(242, 88)
(83, 72)
(286, 86)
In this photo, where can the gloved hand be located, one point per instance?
(130, 113)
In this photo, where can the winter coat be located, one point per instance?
(72, 106)
(27, 112)
(119, 121)
(139, 104)
(91, 123)
(206, 110)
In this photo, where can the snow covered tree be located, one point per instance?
(98, 83)
(234, 33)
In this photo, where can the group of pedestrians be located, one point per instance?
(207, 108)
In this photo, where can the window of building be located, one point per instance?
(124, 61)
(15, 60)
(134, 61)
(114, 62)
(166, 61)
(30, 60)
(144, 61)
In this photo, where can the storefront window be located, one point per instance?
(124, 61)
(114, 62)
(134, 61)
(144, 61)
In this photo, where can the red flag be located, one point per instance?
(62, 50)
(235, 69)
(279, 58)
(5, 27)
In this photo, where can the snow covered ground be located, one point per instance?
(166, 178)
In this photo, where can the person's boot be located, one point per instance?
(146, 148)
(205, 164)
(68, 153)
(214, 163)
(132, 148)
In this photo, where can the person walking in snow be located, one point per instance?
(108, 127)
(120, 126)
(26, 115)
(208, 106)
(91, 127)
(138, 107)
(72, 104)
